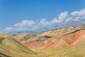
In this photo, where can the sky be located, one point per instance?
(40, 15)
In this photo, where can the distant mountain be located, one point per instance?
(55, 38)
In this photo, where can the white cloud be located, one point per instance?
(63, 15)
(43, 22)
(54, 21)
(8, 28)
(25, 23)
(78, 13)
(65, 19)
(74, 13)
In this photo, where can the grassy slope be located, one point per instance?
(11, 47)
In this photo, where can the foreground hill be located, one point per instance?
(9, 47)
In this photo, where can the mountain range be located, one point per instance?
(63, 42)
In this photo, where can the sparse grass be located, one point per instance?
(77, 51)
(11, 47)
(18, 50)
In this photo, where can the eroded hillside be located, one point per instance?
(65, 42)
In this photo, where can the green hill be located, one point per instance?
(9, 47)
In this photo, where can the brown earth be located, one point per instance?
(56, 38)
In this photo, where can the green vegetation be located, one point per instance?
(9, 46)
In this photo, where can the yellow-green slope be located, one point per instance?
(10, 47)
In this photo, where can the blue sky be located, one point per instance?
(16, 11)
